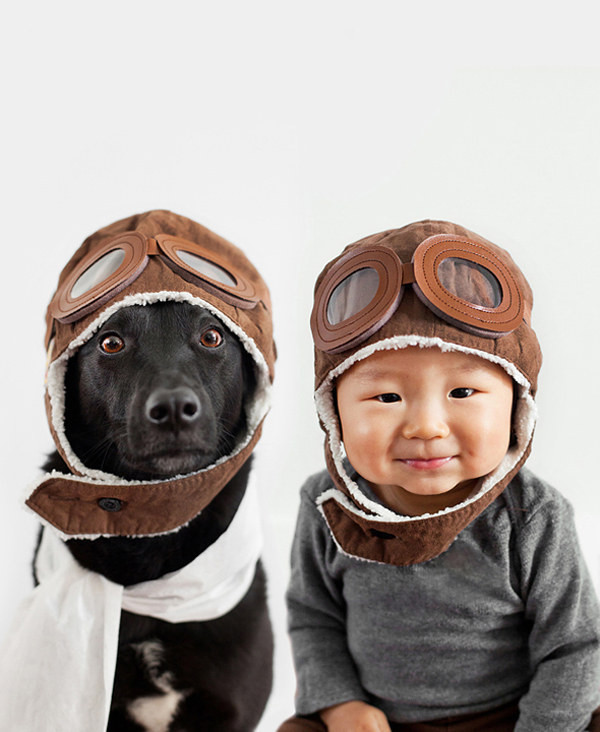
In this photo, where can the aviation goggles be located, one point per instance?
(463, 282)
(103, 273)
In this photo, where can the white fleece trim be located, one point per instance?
(525, 419)
(256, 409)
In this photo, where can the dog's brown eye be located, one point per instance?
(112, 344)
(211, 338)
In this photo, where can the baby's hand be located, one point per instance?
(355, 716)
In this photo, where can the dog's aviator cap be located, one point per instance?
(152, 257)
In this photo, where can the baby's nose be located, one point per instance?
(425, 422)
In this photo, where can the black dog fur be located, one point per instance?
(159, 391)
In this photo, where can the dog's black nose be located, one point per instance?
(176, 407)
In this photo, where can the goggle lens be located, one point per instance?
(470, 282)
(207, 269)
(352, 295)
(98, 272)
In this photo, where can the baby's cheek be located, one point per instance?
(353, 422)
(491, 446)
(499, 430)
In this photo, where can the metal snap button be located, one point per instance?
(110, 504)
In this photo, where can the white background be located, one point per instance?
(293, 129)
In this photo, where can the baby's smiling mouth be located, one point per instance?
(426, 463)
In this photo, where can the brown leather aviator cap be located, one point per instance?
(150, 257)
(429, 284)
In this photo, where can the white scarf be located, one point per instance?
(58, 661)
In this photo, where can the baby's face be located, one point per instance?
(421, 425)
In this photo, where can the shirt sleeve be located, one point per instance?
(562, 609)
(325, 671)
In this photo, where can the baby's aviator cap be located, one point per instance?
(432, 279)
(428, 284)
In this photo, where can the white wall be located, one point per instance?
(293, 129)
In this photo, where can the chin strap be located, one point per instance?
(85, 508)
(58, 663)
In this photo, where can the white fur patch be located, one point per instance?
(155, 713)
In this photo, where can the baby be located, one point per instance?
(436, 583)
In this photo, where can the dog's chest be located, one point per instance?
(155, 712)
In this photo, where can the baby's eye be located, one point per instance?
(462, 392)
(388, 398)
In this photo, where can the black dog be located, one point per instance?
(160, 391)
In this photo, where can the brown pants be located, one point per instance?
(500, 720)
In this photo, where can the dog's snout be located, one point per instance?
(173, 407)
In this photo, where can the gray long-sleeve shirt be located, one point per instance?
(507, 613)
